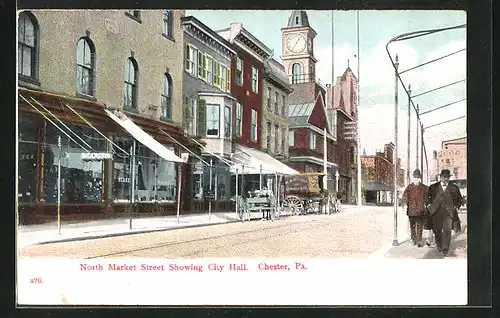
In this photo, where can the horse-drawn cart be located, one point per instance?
(304, 193)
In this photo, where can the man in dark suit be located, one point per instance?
(443, 199)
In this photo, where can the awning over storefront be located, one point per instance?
(377, 186)
(143, 137)
(251, 160)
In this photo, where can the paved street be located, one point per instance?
(355, 233)
(352, 234)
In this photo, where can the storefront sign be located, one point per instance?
(96, 155)
(26, 157)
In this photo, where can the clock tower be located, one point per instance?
(297, 48)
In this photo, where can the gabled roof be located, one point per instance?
(299, 114)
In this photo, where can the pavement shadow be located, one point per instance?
(460, 244)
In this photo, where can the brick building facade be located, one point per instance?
(378, 175)
(452, 156)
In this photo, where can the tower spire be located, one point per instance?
(298, 18)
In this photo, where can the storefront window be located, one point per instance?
(121, 169)
(81, 180)
(155, 178)
(28, 154)
(222, 180)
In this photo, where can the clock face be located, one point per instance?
(296, 43)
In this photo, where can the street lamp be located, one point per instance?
(395, 156)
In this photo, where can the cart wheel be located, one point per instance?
(293, 205)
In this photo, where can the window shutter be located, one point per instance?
(202, 117)
(228, 79)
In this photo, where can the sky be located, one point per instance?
(376, 28)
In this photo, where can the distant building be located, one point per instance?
(342, 107)
(378, 176)
(452, 156)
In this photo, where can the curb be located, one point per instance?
(93, 237)
(380, 253)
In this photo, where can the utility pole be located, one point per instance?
(422, 149)
(409, 137)
(395, 155)
(59, 185)
(358, 138)
(416, 141)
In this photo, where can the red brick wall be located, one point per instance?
(247, 98)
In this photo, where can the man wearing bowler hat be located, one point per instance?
(443, 199)
(414, 197)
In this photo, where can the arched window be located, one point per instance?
(166, 97)
(85, 66)
(27, 44)
(296, 73)
(167, 23)
(130, 94)
(296, 20)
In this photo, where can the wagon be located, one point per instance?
(303, 194)
(257, 201)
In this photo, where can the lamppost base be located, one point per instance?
(395, 243)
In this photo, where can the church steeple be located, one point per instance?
(298, 18)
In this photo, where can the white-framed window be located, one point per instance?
(209, 69)
(255, 80)
(27, 44)
(283, 105)
(228, 79)
(296, 73)
(191, 59)
(130, 91)
(213, 120)
(283, 141)
(268, 97)
(227, 122)
(253, 131)
(216, 71)
(166, 97)
(291, 138)
(277, 138)
(202, 73)
(312, 140)
(239, 117)
(239, 71)
(190, 115)
(167, 23)
(223, 73)
(276, 102)
(85, 66)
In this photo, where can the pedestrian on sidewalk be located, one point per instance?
(443, 200)
(414, 197)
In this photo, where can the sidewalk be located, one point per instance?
(48, 233)
(406, 250)
(73, 231)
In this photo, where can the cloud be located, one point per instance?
(376, 114)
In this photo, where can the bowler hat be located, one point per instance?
(416, 173)
(445, 173)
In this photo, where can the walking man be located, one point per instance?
(414, 198)
(443, 199)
